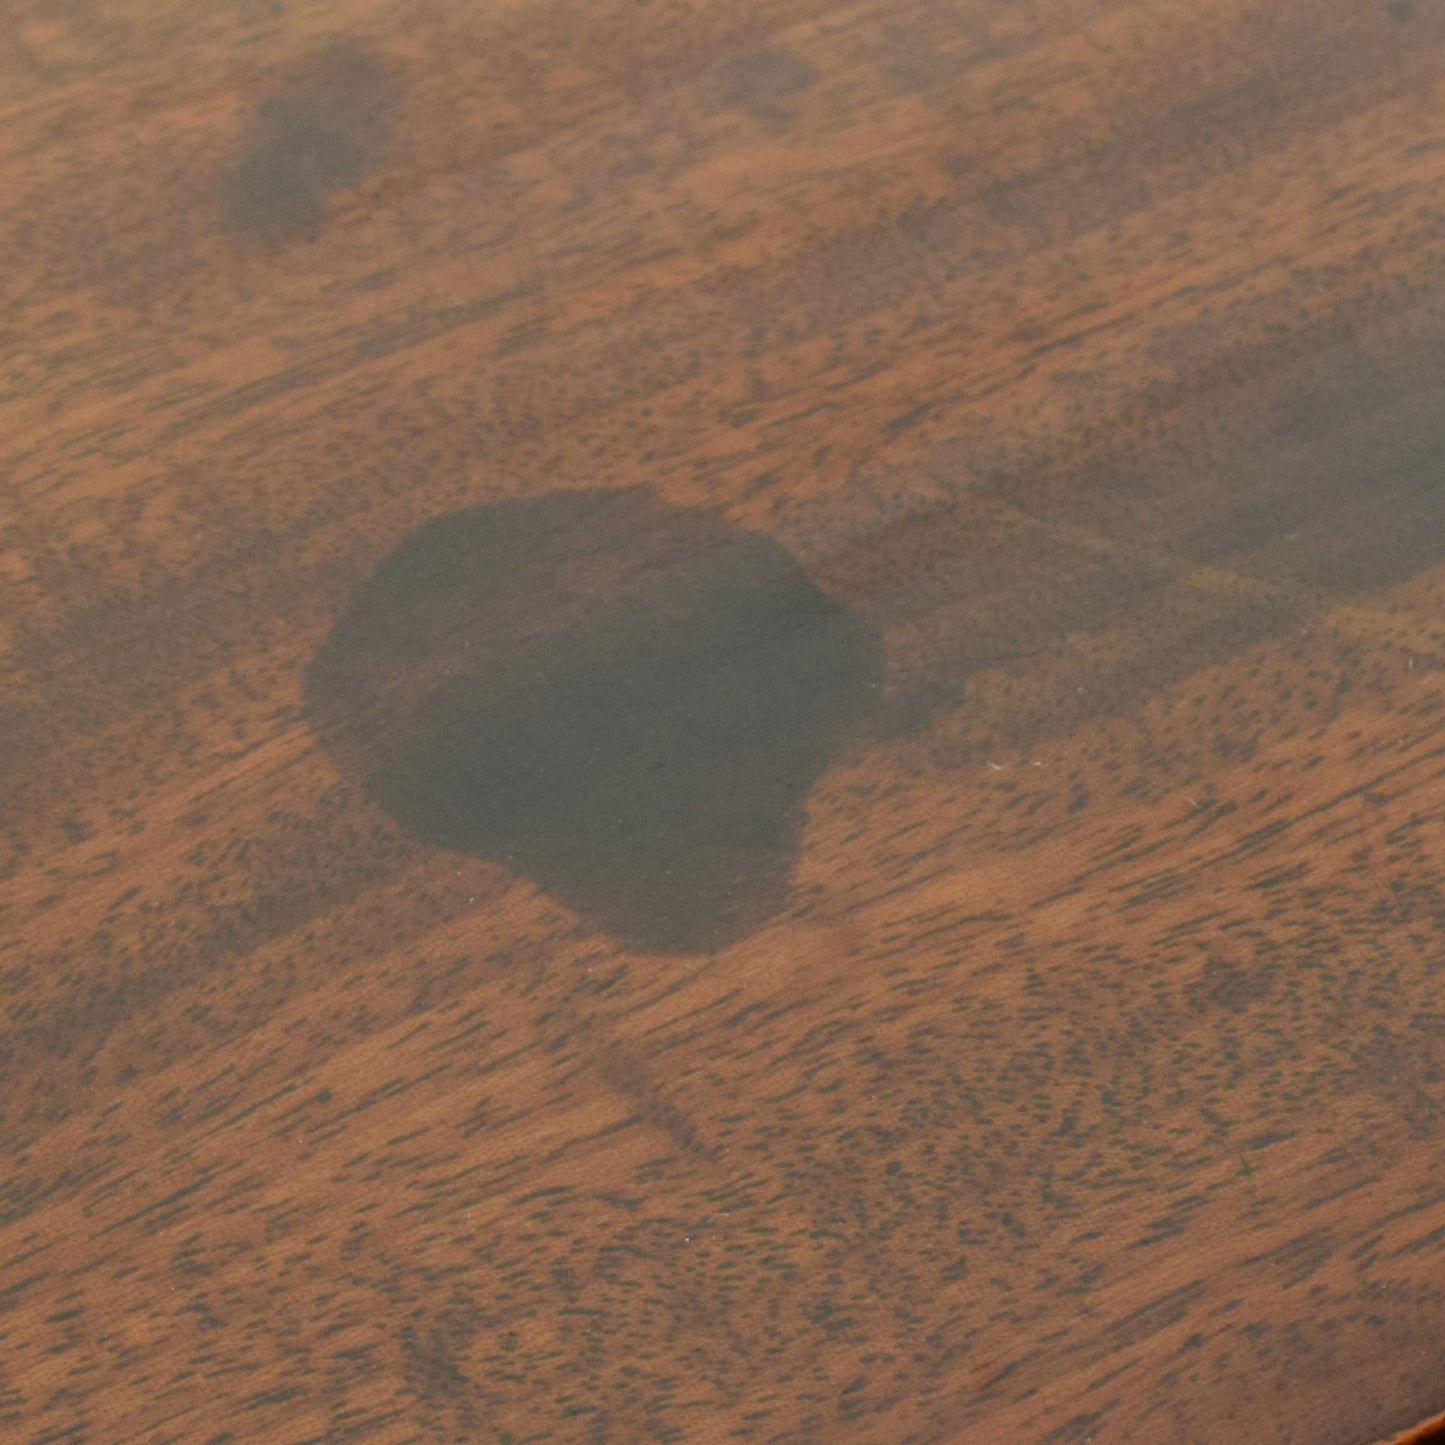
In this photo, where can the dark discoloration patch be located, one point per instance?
(625, 702)
(759, 82)
(1346, 492)
(317, 134)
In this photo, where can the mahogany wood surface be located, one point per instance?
(1073, 1066)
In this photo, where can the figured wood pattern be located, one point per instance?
(1090, 1084)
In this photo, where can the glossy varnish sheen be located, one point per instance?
(1060, 1057)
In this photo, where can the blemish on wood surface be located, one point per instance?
(626, 703)
(1086, 1082)
(316, 134)
(761, 82)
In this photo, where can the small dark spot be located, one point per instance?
(316, 135)
(1401, 10)
(759, 81)
(627, 703)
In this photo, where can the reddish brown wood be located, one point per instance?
(1086, 1082)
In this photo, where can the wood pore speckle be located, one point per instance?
(1066, 1064)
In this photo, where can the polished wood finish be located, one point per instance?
(1090, 1086)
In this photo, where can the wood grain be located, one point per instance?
(1087, 1082)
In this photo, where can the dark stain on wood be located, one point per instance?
(1121, 972)
(317, 134)
(761, 82)
(1348, 493)
(625, 702)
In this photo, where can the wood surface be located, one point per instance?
(1082, 1078)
